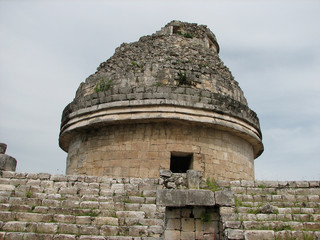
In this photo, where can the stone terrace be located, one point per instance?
(44, 206)
(272, 210)
(63, 207)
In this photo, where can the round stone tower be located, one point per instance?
(164, 102)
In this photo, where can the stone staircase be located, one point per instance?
(272, 210)
(44, 206)
(67, 207)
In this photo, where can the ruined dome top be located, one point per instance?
(177, 66)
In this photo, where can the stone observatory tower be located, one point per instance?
(166, 101)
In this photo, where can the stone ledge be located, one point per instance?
(181, 198)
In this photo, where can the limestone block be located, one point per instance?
(132, 206)
(209, 227)
(284, 210)
(64, 237)
(107, 205)
(165, 173)
(109, 230)
(90, 237)
(298, 234)
(187, 224)
(311, 226)
(268, 209)
(314, 198)
(284, 217)
(174, 198)
(135, 199)
(47, 227)
(130, 214)
(88, 230)
(200, 198)
(91, 192)
(118, 186)
(8, 174)
(136, 231)
(156, 229)
(229, 217)
(61, 218)
(44, 176)
(283, 235)
(239, 190)
(151, 200)
(302, 184)
(68, 190)
(83, 220)
(68, 228)
(315, 217)
(70, 203)
(223, 210)
(173, 224)
(105, 221)
(5, 187)
(246, 183)
(149, 209)
(89, 204)
(232, 224)
(14, 226)
(51, 203)
(193, 179)
(259, 234)
(172, 235)
(307, 210)
(4, 206)
(151, 222)
(33, 217)
(7, 163)
(14, 235)
(224, 198)
(188, 235)
(234, 234)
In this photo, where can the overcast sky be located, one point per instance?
(47, 48)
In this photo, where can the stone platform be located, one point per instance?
(44, 206)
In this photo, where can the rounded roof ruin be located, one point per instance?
(173, 75)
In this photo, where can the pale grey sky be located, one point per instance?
(47, 48)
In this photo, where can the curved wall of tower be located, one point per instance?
(143, 149)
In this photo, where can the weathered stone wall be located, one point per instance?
(141, 150)
(67, 207)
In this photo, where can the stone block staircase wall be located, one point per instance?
(272, 210)
(63, 207)
(67, 207)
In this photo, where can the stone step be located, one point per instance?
(23, 235)
(270, 234)
(55, 230)
(276, 191)
(275, 209)
(277, 198)
(279, 225)
(279, 217)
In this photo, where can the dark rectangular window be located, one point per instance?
(181, 162)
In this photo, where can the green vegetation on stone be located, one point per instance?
(212, 185)
(103, 85)
(182, 78)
